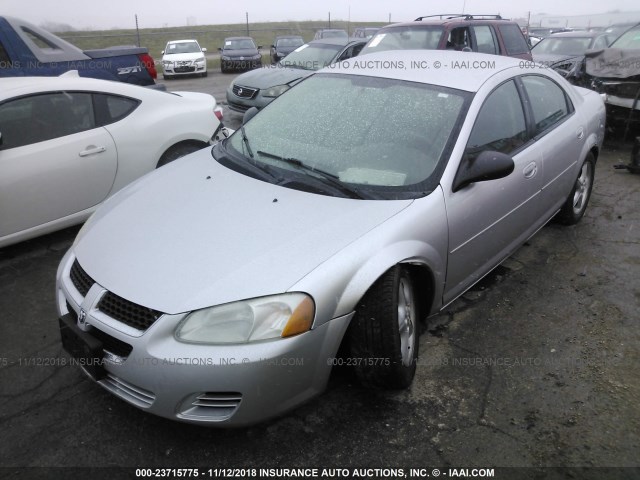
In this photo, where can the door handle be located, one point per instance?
(530, 170)
(92, 150)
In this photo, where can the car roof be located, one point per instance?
(15, 86)
(396, 64)
(331, 30)
(238, 38)
(447, 18)
(182, 41)
(288, 36)
(576, 34)
(340, 41)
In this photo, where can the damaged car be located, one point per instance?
(565, 52)
(218, 290)
(615, 73)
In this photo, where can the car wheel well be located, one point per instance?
(180, 149)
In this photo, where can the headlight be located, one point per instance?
(276, 316)
(257, 57)
(225, 57)
(275, 91)
(199, 60)
(166, 63)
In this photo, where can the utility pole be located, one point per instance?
(137, 30)
(246, 14)
(329, 19)
(389, 18)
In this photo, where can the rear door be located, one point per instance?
(54, 161)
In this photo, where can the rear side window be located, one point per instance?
(112, 108)
(548, 102)
(485, 40)
(513, 39)
(500, 125)
(5, 62)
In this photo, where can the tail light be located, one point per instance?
(218, 112)
(147, 61)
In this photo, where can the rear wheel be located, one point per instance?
(179, 150)
(384, 333)
(575, 206)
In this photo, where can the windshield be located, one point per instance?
(182, 47)
(405, 38)
(334, 34)
(383, 138)
(562, 46)
(239, 44)
(289, 42)
(312, 57)
(629, 39)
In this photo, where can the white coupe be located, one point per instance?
(67, 143)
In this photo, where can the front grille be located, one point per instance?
(127, 312)
(80, 279)
(112, 344)
(244, 92)
(184, 69)
(109, 343)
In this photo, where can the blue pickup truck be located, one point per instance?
(27, 50)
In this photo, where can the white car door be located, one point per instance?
(54, 162)
(488, 219)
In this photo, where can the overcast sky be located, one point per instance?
(83, 14)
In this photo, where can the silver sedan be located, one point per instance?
(219, 289)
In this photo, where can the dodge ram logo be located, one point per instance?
(127, 70)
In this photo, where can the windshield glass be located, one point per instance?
(239, 44)
(384, 138)
(312, 57)
(289, 42)
(182, 47)
(334, 34)
(630, 39)
(562, 46)
(405, 38)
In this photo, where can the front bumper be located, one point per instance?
(218, 385)
(184, 69)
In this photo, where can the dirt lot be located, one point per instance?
(538, 366)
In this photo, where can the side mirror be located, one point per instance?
(249, 114)
(489, 165)
(259, 47)
(204, 50)
(162, 52)
(467, 49)
(273, 46)
(219, 49)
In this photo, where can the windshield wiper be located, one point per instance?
(328, 177)
(245, 139)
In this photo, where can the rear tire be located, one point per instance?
(575, 206)
(384, 333)
(179, 150)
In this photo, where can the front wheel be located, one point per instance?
(384, 333)
(179, 150)
(576, 204)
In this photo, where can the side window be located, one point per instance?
(459, 38)
(112, 108)
(43, 117)
(351, 52)
(600, 43)
(513, 39)
(548, 101)
(485, 40)
(5, 61)
(500, 125)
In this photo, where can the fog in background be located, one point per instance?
(91, 15)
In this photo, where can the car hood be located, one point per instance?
(550, 60)
(195, 234)
(182, 57)
(285, 50)
(271, 76)
(245, 52)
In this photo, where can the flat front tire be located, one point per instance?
(384, 333)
